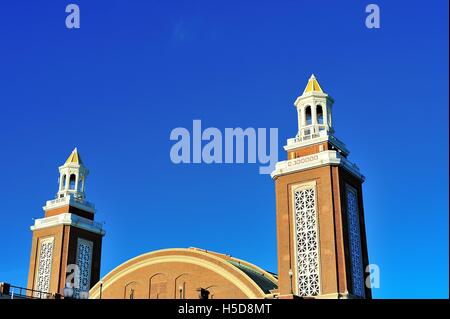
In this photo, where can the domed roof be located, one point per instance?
(224, 276)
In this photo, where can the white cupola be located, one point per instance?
(72, 177)
(314, 108)
(315, 121)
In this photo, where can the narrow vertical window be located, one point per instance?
(45, 253)
(319, 114)
(72, 181)
(354, 235)
(308, 116)
(307, 241)
(84, 263)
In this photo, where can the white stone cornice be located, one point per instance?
(71, 220)
(313, 161)
(314, 94)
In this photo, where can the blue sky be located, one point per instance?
(116, 87)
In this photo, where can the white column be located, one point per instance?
(67, 181)
(303, 116)
(76, 181)
(325, 115)
(314, 114)
(60, 186)
(314, 128)
(302, 129)
(329, 120)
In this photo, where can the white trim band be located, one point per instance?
(69, 219)
(315, 160)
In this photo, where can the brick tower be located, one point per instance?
(67, 235)
(322, 249)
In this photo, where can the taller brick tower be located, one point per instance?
(322, 249)
(67, 235)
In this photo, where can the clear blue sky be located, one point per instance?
(135, 70)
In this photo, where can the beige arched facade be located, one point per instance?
(181, 273)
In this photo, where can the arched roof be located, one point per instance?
(253, 281)
(264, 279)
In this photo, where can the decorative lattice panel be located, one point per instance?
(307, 240)
(84, 263)
(355, 242)
(44, 270)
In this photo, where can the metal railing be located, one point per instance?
(310, 132)
(16, 292)
(68, 198)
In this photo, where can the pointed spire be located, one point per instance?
(313, 85)
(74, 158)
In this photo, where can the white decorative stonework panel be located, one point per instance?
(44, 269)
(307, 240)
(354, 235)
(84, 263)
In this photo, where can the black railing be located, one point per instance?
(25, 293)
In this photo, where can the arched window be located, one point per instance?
(157, 286)
(130, 289)
(308, 116)
(319, 114)
(63, 182)
(72, 181)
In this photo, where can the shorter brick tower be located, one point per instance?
(322, 249)
(67, 235)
